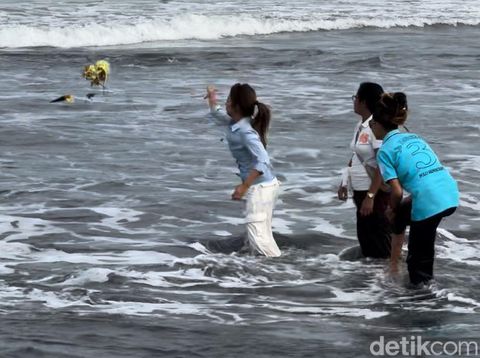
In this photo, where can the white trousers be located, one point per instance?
(260, 202)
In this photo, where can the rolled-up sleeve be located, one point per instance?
(261, 161)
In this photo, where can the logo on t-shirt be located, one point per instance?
(363, 139)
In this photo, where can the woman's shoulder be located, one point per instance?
(249, 133)
(245, 127)
(366, 136)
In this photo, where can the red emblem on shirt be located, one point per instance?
(363, 139)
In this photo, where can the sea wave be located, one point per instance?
(195, 27)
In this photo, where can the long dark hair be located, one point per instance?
(391, 110)
(244, 98)
(369, 92)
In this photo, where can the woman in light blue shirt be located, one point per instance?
(247, 125)
(407, 162)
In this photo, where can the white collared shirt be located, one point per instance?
(363, 148)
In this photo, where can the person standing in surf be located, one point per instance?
(408, 163)
(247, 124)
(369, 195)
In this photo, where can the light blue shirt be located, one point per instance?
(408, 158)
(246, 147)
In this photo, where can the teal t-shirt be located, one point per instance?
(408, 158)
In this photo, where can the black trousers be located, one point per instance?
(373, 231)
(421, 241)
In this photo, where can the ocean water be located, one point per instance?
(114, 212)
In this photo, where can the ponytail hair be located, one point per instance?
(261, 121)
(244, 98)
(391, 110)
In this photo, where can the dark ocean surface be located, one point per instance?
(115, 215)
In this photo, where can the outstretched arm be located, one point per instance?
(211, 96)
(218, 116)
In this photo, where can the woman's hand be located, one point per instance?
(239, 192)
(367, 206)
(342, 193)
(211, 92)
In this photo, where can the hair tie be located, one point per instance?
(255, 109)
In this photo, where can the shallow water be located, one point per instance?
(108, 207)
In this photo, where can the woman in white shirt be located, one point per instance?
(369, 192)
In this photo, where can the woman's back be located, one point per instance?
(408, 158)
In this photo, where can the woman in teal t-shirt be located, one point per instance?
(408, 163)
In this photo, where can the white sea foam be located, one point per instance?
(321, 198)
(196, 26)
(126, 215)
(320, 224)
(21, 228)
(458, 249)
(334, 311)
(131, 257)
(10, 250)
(328, 228)
(452, 297)
(469, 201)
(231, 220)
(117, 218)
(183, 278)
(4, 270)
(169, 308)
(9, 295)
(222, 233)
(199, 247)
(467, 161)
(53, 300)
(282, 225)
(359, 297)
(90, 275)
